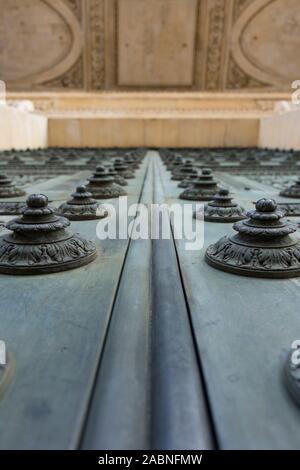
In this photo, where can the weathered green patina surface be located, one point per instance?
(244, 328)
(149, 347)
(54, 327)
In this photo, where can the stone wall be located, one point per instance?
(21, 129)
(281, 131)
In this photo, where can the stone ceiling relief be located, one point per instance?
(41, 40)
(265, 41)
(128, 45)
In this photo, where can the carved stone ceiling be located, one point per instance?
(132, 45)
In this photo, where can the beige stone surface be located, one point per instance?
(158, 132)
(156, 42)
(267, 36)
(35, 32)
(21, 130)
(152, 119)
(281, 131)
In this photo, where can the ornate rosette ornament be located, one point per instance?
(92, 160)
(123, 170)
(139, 153)
(41, 243)
(15, 161)
(293, 191)
(188, 182)
(231, 156)
(54, 160)
(222, 209)
(203, 189)
(263, 246)
(82, 207)
(183, 172)
(117, 178)
(176, 162)
(209, 159)
(131, 162)
(71, 155)
(292, 375)
(167, 161)
(251, 160)
(138, 159)
(102, 185)
(8, 189)
(11, 208)
(291, 209)
(166, 156)
(292, 158)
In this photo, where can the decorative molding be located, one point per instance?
(216, 18)
(73, 79)
(238, 79)
(147, 105)
(97, 46)
(200, 46)
(76, 7)
(239, 7)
